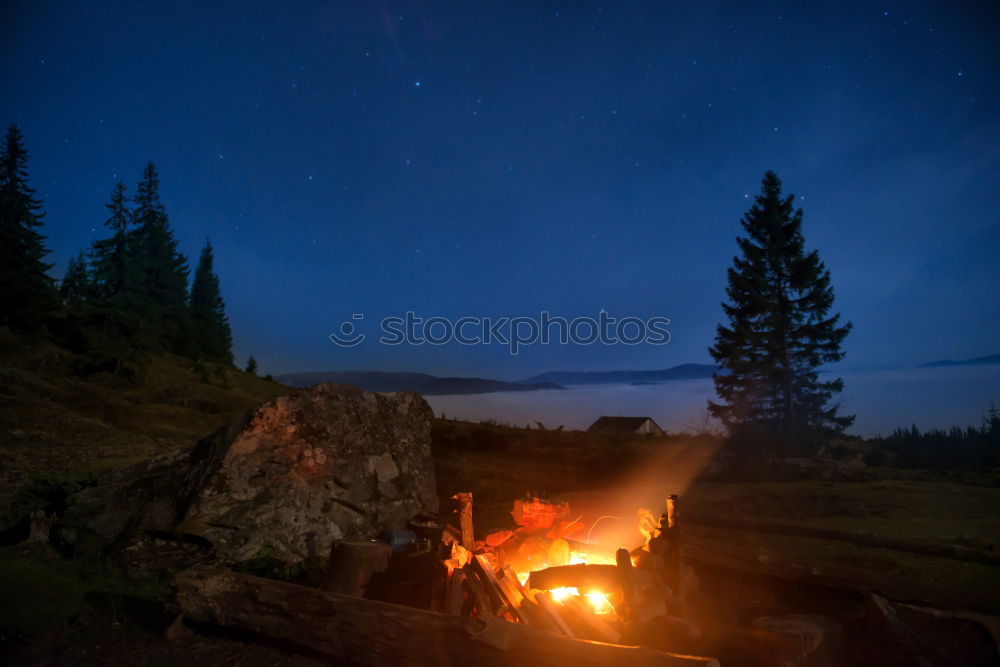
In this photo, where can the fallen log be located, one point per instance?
(377, 633)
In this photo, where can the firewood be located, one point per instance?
(585, 578)
(465, 519)
(455, 593)
(368, 632)
(629, 592)
(601, 628)
(545, 601)
(477, 592)
(511, 586)
(497, 590)
(538, 616)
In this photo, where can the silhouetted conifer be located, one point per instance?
(27, 293)
(115, 264)
(75, 288)
(779, 331)
(162, 267)
(213, 337)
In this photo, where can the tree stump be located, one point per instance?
(352, 564)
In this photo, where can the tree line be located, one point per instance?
(126, 295)
(970, 447)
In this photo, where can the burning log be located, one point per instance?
(535, 515)
(377, 633)
(583, 577)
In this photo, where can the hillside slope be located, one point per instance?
(54, 423)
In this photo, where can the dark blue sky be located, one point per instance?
(467, 158)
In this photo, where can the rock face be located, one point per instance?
(323, 463)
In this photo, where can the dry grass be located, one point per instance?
(54, 423)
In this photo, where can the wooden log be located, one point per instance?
(881, 613)
(511, 586)
(546, 602)
(496, 590)
(476, 591)
(539, 617)
(597, 625)
(465, 519)
(352, 564)
(629, 593)
(368, 632)
(455, 593)
(585, 578)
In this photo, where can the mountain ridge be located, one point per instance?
(976, 361)
(688, 371)
(424, 383)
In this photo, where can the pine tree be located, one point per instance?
(252, 365)
(75, 288)
(28, 293)
(118, 327)
(779, 331)
(208, 312)
(116, 269)
(163, 268)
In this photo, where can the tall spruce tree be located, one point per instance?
(779, 332)
(116, 268)
(27, 293)
(163, 268)
(75, 288)
(208, 312)
(118, 327)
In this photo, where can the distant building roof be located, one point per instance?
(641, 425)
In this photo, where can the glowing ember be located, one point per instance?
(560, 594)
(599, 602)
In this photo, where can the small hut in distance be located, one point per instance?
(626, 426)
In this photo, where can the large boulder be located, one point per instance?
(285, 480)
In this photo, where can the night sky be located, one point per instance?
(502, 158)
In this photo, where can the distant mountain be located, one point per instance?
(367, 380)
(978, 361)
(421, 382)
(682, 372)
(439, 386)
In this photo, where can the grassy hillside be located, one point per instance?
(56, 424)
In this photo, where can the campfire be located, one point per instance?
(537, 594)
(545, 571)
